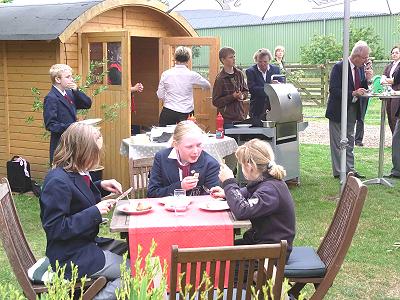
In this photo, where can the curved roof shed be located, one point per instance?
(34, 37)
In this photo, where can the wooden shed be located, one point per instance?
(34, 37)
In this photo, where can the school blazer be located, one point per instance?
(164, 175)
(71, 221)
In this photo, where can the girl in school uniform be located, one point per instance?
(71, 210)
(265, 201)
(184, 165)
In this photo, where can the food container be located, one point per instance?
(268, 124)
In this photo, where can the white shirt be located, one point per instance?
(61, 92)
(264, 74)
(393, 68)
(352, 71)
(176, 88)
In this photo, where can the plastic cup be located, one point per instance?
(180, 202)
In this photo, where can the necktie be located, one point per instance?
(86, 178)
(357, 81)
(68, 98)
(185, 169)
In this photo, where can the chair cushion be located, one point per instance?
(39, 273)
(304, 262)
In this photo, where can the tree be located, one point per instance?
(320, 49)
(368, 35)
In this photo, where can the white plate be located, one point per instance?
(172, 208)
(242, 125)
(214, 205)
(130, 208)
(91, 121)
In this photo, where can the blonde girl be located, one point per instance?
(265, 201)
(71, 210)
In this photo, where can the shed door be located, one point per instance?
(205, 61)
(112, 48)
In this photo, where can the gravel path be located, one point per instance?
(318, 133)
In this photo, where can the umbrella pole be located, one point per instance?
(345, 78)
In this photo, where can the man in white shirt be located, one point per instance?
(176, 89)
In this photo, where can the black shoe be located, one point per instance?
(336, 176)
(360, 144)
(392, 176)
(358, 175)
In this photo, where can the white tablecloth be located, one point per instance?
(218, 148)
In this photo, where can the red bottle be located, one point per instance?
(219, 133)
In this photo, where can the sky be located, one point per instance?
(258, 7)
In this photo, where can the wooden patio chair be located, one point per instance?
(19, 253)
(139, 170)
(321, 267)
(221, 261)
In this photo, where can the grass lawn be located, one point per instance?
(317, 113)
(372, 266)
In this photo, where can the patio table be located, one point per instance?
(380, 179)
(218, 148)
(196, 228)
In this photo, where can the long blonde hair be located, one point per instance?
(185, 128)
(259, 154)
(78, 150)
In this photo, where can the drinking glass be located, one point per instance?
(180, 202)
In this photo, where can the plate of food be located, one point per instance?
(214, 205)
(91, 121)
(135, 208)
(242, 125)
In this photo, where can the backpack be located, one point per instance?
(19, 174)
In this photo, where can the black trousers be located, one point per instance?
(171, 117)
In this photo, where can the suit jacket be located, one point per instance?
(71, 221)
(334, 106)
(396, 75)
(59, 113)
(259, 101)
(164, 176)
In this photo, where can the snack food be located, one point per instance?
(196, 175)
(143, 206)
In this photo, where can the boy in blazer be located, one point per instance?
(61, 103)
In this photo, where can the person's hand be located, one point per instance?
(359, 92)
(189, 182)
(72, 86)
(138, 87)
(111, 185)
(225, 173)
(237, 95)
(275, 81)
(369, 73)
(217, 192)
(105, 206)
(389, 81)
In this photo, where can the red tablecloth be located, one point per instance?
(196, 228)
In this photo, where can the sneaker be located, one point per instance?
(359, 144)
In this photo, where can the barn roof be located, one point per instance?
(39, 22)
(210, 18)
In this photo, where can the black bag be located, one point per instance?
(19, 175)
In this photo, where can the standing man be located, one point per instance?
(357, 86)
(61, 103)
(230, 89)
(257, 76)
(176, 89)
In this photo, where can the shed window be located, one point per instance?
(114, 65)
(96, 60)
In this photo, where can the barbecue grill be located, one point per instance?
(280, 128)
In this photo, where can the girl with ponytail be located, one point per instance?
(265, 201)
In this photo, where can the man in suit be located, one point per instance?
(61, 103)
(357, 87)
(257, 76)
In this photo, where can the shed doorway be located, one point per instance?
(145, 69)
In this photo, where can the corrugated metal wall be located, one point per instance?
(247, 39)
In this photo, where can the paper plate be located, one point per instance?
(130, 208)
(242, 125)
(214, 205)
(180, 209)
(168, 199)
(91, 121)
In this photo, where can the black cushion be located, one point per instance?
(304, 262)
